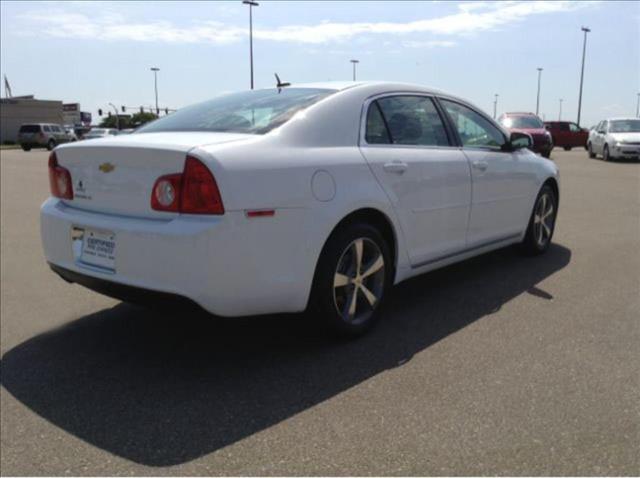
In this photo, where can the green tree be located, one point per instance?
(111, 122)
(139, 119)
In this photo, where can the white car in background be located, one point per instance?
(615, 138)
(277, 200)
(95, 133)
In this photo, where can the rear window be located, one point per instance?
(30, 128)
(524, 122)
(255, 112)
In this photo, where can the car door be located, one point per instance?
(578, 135)
(561, 136)
(425, 175)
(601, 132)
(503, 182)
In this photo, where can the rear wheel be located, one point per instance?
(353, 274)
(605, 153)
(542, 222)
(567, 148)
(590, 149)
(51, 144)
(26, 148)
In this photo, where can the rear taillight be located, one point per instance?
(59, 179)
(193, 192)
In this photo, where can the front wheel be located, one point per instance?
(353, 274)
(51, 144)
(26, 148)
(590, 149)
(605, 153)
(542, 222)
(567, 148)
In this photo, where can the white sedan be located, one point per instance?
(615, 138)
(317, 197)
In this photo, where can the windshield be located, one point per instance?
(524, 122)
(625, 126)
(255, 112)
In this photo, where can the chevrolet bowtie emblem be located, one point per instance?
(106, 167)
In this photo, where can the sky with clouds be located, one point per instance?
(100, 52)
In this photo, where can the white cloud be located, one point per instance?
(470, 18)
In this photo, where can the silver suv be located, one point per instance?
(42, 135)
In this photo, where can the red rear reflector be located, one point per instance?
(193, 192)
(59, 179)
(261, 213)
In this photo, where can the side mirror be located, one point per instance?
(601, 131)
(519, 140)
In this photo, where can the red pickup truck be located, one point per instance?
(567, 135)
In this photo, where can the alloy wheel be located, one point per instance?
(358, 282)
(543, 220)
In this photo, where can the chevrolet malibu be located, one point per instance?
(316, 197)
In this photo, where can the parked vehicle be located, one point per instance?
(567, 135)
(530, 124)
(100, 133)
(71, 132)
(41, 135)
(615, 138)
(319, 196)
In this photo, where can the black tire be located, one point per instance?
(538, 238)
(567, 148)
(51, 144)
(328, 302)
(590, 150)
(26, 148)
(605, 153)
(547, 154)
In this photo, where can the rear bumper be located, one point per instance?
(123, 292)
(229, 265)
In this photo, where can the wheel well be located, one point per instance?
(554, 185)
(377, 219)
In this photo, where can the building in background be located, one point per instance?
(18, 110)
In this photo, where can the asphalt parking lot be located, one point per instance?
(499, 365)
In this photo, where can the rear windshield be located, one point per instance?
(524, 122)
(256, 112)
(625, 126)
(30, 128)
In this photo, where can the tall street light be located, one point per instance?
(638, 106)
(355, 62)
(538, 99)
(495, 105)
(560, 113)
(584, 51)
(251, 4)
(155, 84)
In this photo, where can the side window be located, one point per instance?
(574, 127)
(377, 132)
(474, 130)
(46, 129)
(413, 120)
(563, 127)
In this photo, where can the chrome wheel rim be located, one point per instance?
(358, 282)
(543, 220)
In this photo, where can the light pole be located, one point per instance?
(355, 62)
(117, 117)
(638, 106)
(251, 4)
(538, 99)
(155, 84)
(560, 113)
(495, 105)
(584, 51)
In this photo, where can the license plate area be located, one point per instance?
(95, 248)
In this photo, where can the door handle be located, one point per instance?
(395, 167)
(480, 165)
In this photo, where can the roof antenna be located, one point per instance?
(280, 84)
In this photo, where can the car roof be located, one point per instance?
(519, 113)
(618, 118)
(381, 85)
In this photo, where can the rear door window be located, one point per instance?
(46, 129)
(412, 120)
